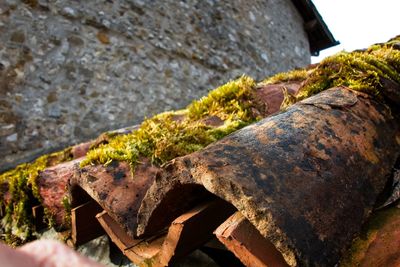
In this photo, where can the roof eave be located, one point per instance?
(318, 32)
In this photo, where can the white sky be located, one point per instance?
(358, 23)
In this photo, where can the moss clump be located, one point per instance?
(360, 70)
(19, 193)
(363, 71)
(172, 134)
(294, 75)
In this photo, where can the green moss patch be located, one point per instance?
(172, 134)
(290, 76)
(363, 71)
(19, 192)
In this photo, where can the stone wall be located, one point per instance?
(71, 69)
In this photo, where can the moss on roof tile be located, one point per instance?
(19, 193)
(173, 134)
(177, 133)
(361, 70)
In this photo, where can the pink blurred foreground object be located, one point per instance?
(43, 253)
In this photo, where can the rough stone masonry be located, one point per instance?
(71, 69)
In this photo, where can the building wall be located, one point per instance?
(72, 69)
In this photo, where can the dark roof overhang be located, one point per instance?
(318, 33)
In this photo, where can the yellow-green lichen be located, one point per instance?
(172, 134)
(19, 192)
